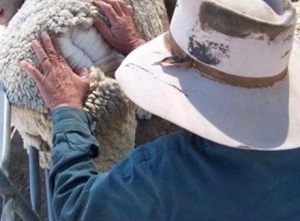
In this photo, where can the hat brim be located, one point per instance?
(256, 118)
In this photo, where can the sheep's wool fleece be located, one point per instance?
(297, 6)
(59, 17)
(71, 22)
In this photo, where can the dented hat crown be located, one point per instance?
(246, 43)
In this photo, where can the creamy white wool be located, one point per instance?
(58, 18)
(113, 115)
(297, 6)
(71, 22)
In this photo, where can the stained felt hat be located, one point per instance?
(227, 70)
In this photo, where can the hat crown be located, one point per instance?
(251, 39)
(267, 10)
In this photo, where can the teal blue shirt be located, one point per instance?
(179, 177)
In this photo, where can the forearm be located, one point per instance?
(73, 170)
(79, 192)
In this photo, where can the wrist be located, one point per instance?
(78, 106)
(66, 103)
(135, 44)
(138, 43)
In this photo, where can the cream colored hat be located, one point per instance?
(227, 70)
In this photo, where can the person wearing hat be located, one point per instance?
(228, 73)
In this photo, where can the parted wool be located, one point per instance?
(71, 22)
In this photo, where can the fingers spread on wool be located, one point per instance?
(49, 49)
(58, 51)
(117, 5)
(123, 7)
(108, 10)
(31, 71)
(41, 55)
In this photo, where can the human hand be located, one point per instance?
(57, 83)
(122, 34)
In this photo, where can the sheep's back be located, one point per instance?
(71, 22)
(65, 19)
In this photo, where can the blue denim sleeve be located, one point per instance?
(79, 192)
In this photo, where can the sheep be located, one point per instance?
(297, 6)
(71, 22)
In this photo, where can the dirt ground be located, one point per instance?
(147, 131)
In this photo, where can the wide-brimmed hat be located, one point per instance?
(227, 71)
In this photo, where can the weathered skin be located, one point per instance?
(8, 8)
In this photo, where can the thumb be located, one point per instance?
(83, 73)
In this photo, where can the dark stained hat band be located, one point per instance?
(223, 77)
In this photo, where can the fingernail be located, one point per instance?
(33, 42)
(44, 34)
(23, 64)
